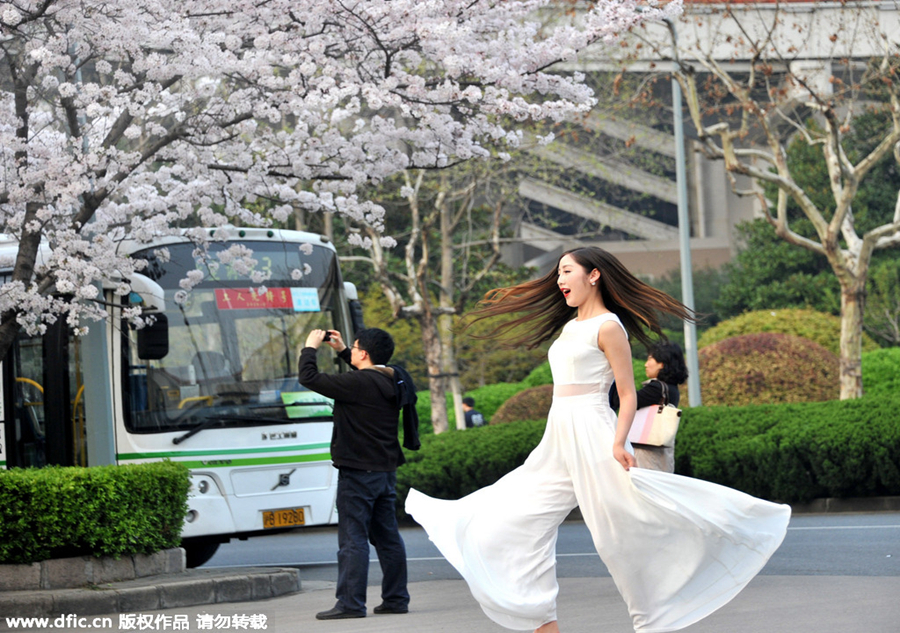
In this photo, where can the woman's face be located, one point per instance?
(575, 282)
(652, 367)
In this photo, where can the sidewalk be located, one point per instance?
(795, 604)
(770, 604)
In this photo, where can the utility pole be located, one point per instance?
(684, 236)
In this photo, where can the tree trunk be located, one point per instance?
(22, 272)
(329, 225)
(451, 369)
(851, 340)
(431, 345)
(9, 330)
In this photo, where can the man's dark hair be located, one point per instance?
(377, 343)
(674, 369)
(468, 401)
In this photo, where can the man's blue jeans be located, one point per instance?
(366, 513)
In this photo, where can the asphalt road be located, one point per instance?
(816, 545)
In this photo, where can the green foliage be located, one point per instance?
(873, 204)
(452, 465)
(770, 273)
(795, 452)
(540, 375)
(487, 400)
(489, 361)
(105, 511)
(767, 368)
(533, 403)
(707, 284)
(490, 398)
(882, 315)
(821, 328)
(881, 372)
(406, 333)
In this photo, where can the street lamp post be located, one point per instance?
(684, 237)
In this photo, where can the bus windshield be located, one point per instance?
(232, 345)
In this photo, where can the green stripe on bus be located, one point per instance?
(255, 461)
(228, 451)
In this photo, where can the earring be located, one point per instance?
(593, 283)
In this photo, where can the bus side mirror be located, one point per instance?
(153, 339)
(354, 306)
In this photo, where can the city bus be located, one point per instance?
(210, 381)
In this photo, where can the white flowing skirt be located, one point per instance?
(677, 548)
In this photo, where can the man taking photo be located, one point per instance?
(366, 451)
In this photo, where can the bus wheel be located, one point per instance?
(198, 552)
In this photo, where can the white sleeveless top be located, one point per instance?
(575, 358)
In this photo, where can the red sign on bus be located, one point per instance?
(251, 299)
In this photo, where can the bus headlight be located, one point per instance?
(203, 485)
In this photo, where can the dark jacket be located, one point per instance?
(406, 396)
(650, 393)
(366, 413)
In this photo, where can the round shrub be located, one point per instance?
(531, 404)
(767, 368)
(820, 327)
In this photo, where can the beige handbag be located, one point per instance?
(656, 425)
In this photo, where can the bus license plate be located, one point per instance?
(283, 518)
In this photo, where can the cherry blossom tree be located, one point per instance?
(128, 119)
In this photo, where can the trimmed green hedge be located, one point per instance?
(452, 465)
(105, 511)
(795, 452)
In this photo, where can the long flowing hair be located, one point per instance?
(543, 310)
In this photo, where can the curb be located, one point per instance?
(856, 504)
(86, 571)
(192, 587)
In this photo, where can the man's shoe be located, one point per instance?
(383, 608)
(338, 614)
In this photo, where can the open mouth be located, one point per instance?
(566, 292)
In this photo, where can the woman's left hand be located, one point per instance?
(624, 457)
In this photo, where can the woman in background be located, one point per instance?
(665, 369)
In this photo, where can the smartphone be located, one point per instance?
(327, 335)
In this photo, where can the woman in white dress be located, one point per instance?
(677, 548)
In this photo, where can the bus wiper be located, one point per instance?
(247, 418)
(208, 422)
(278, 405)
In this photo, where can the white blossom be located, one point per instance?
(233, 113)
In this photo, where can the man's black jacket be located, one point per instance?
(367, 405)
